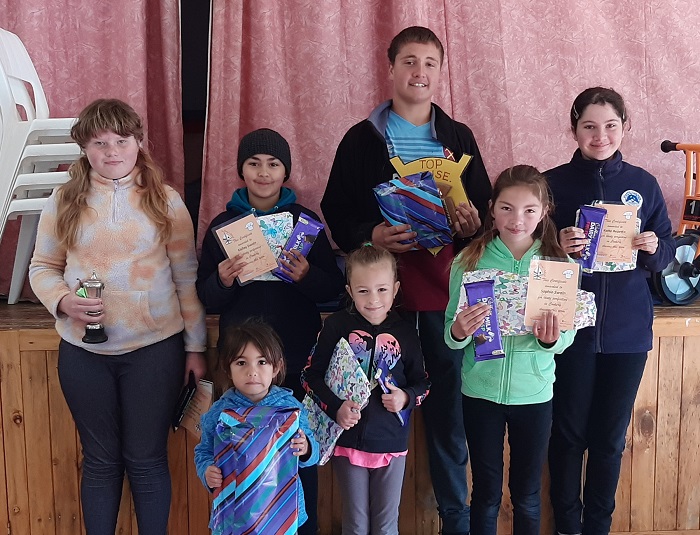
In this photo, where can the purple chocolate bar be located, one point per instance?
(487, 338)
(302, 239)
(590, 219)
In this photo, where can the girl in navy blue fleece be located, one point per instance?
(598, 376)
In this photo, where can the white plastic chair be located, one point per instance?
(29, 182)
(31, 148)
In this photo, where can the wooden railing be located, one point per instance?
(659, 488)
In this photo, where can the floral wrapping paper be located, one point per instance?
(346, 380)
(276, 228)
(510, 291)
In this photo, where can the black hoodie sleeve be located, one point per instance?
(348, 204)
(660, 224)
(417, 383)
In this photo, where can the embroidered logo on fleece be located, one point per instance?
(632, 198)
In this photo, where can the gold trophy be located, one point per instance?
(92, 288)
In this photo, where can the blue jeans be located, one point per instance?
(123, 406)
(593, 401)
(442, 411)
(528, 433)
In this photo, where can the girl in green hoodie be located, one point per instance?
(513, 392)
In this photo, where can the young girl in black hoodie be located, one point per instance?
(370, 455)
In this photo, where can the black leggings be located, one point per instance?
(123, 406)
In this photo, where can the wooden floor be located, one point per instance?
(659, 490)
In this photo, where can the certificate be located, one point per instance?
(198, 405)
(619, 229)
(244, 236)
(552, 285)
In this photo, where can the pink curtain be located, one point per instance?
(312, 69)
(87, 50)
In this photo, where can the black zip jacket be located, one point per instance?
(378, 430)
(625, 308)
(289, 308)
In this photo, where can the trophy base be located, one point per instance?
(94, 334)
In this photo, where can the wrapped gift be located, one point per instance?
(259, 495)
(510, 291)
(346, 380)
(276, 229)
(415, 200)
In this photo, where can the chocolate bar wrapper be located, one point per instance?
(487, 338)
(259, 494)
(591, 220)
(415, 200)
(302, 239)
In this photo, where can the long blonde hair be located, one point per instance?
(546, 231)
(109, 115)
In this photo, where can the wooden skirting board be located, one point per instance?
(659, 490)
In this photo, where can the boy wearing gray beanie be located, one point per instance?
(264, 164)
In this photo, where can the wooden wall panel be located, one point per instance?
(13, 432)
(177, 459)
(427, 521)
(668, 429)
(4, 503)
(689, 445)
(644, 446)
(659, 487)
(198, 498)
(64, 454)
(37, 433)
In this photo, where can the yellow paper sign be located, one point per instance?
(447, 175)
(552, 286)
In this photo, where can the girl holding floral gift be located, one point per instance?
(370, 455)
(514, 389)
(598, 376)
(251, 355)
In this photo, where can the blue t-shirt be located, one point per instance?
(409, 141)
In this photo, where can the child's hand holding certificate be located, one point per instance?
(552, 285)
(242, 236)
